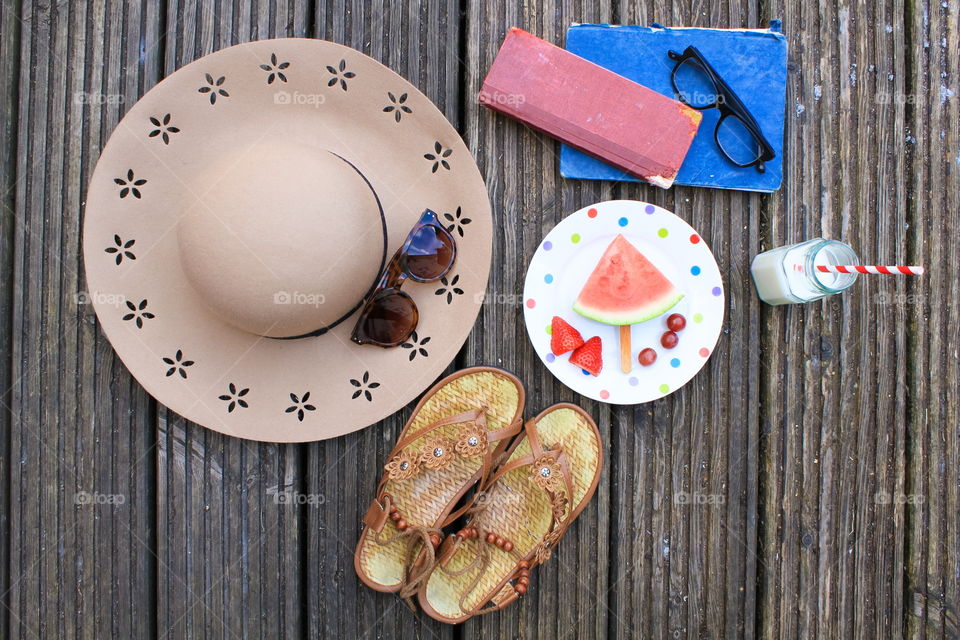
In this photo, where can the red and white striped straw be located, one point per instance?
(862, 268)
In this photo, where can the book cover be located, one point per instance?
(590, 108)
(753, 62)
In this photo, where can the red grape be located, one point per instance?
(669, 340)
(676, 322)
(647, 357)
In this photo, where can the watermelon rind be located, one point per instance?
(650, 311)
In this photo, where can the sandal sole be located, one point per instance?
(519, 511)
(429, 498)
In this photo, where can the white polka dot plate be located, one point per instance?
(567, 257)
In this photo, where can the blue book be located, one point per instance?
(753, 62)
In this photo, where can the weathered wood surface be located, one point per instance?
(932, 482)
(834, 401)
(823, 438)
(420, 41)
(9, 57)
(81, 464)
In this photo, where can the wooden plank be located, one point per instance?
(687, 465)
(834, 371)
(420, 41)
(871, 554)
(570, 593)
(81, 522)
(229, 529)
(9, 80)
(932, 307)
(229, 523)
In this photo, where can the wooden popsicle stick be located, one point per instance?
(626, 362)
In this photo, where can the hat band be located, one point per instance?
(376, 278)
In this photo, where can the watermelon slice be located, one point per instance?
(625, 288)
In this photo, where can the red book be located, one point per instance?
(617, 120)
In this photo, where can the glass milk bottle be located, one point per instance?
(788, 274)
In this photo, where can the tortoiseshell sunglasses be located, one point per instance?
(389, 315)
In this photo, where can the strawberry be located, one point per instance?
(588, 356)
(565, 338)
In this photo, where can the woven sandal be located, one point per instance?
(449, 445)
(546, 479)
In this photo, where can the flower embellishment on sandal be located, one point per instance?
(472, 442)
(402, 466)
(436, 452)
(542, 551)
(545, 472)
(559, 506)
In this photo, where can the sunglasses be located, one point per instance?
(389, 315)
(698, 85)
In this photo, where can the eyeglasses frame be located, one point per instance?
(727, 102)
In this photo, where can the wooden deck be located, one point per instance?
(830, 432)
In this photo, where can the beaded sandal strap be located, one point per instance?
(402, 465)
(550, 471)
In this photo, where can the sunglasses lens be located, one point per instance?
(430, 253)
(388, 320)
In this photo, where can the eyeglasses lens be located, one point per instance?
(736, 141)
(694, 85)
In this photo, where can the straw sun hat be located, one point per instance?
(241, 212)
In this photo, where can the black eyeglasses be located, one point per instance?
(698, 85)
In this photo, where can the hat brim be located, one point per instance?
(230, 380)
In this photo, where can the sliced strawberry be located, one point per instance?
(589, 356)
(565, 338)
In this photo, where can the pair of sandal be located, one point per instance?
(532, 479)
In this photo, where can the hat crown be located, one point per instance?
(283, 239)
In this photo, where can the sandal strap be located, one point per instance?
(521, 574)
(560, 504)
(477, 416)
(530, 459)
(376, 516)
(487, 465)
(378, 511)
(561, 512)
(537, 450)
